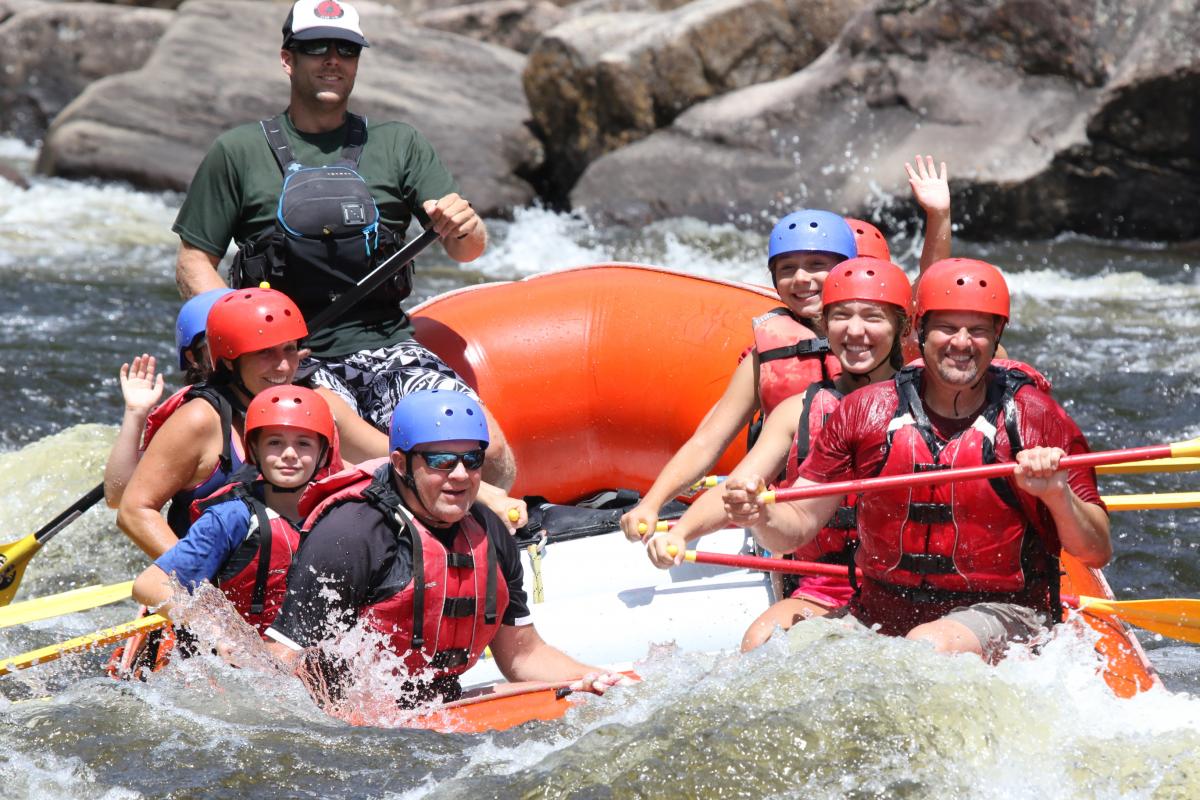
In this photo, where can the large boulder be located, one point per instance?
(515, 24)
(1074, 115)
(217, 66)
(601, 81)
(53, 51)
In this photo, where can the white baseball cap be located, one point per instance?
(322, 19)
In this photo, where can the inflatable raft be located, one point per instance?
(598, 374)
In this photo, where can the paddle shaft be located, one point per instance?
(983, 472)
(767, 564)
(51, 528)
(376, 278)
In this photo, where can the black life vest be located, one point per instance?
(327, 235)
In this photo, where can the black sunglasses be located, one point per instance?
(319, 47)
(446, 462)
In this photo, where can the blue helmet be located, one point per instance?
(436, 415)
(812, 231)
(193, 320)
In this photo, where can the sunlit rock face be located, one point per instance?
(1076, 116)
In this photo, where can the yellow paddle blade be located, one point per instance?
(1178, 618)
(1150, 502)
(81, 643)
(64, 603)
(14, 557)
(1154, 465)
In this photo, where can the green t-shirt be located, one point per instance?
(235, 192)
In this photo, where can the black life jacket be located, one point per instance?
(327, 235)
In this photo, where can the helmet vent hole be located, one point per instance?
(961, 282)
(983, 284)
(449, 412)
(813, 225)
(792, 227)
(470, 412)
(270, 318)
(870, 273)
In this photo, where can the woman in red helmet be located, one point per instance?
(193, 443)
(246, 534)
(866, 302)
(968, 566)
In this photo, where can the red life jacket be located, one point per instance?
(791, 357)
(450, 611)
(835, 542)
(956, 543)
(254, 577)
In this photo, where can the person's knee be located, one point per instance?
(947, 636)
(758, 633)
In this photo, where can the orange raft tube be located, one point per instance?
(599, 374)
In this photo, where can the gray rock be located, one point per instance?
(602, 81)
(515, 24)
(53, 51)
(218, 66)
(1091, 125)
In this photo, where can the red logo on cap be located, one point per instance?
(329, 9)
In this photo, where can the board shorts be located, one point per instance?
(373, 381)
(996, 625)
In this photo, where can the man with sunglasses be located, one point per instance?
(400, 546)
(368, 357)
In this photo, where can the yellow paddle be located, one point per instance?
(1155, 465)
(1178, 618)
(81, 643)
(1152, 502)
(64, 603)
(14, 557)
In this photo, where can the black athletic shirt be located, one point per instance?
(353, 558)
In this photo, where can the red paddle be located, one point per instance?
(1176, 450)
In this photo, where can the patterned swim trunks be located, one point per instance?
(373, 381)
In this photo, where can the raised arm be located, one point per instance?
(142, 389)
(182, 454)
(931, 190)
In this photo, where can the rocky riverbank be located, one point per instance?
(1054, 115)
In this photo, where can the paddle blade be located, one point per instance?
(14, 558)
(81, 643)
(1178, 618)
(64, 603)
(1151, 502)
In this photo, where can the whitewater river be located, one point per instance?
(87, 275)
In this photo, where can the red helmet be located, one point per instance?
(870, 279)
(869, 240)
(962, 284)
(247, 320)
(290, 407)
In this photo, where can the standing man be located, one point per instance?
(967, 566)
(365, 181)
(400, 547)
